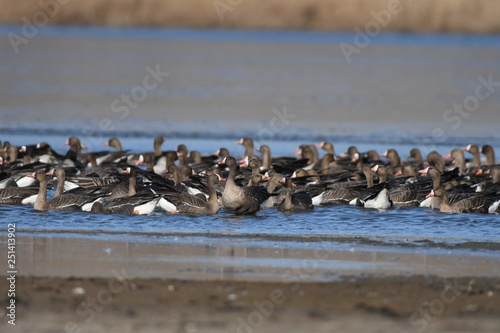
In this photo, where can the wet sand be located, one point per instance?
(99, 285)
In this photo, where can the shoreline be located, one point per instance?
(244, 258)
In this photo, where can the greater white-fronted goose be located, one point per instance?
(143, 203)
(266, 157)
(124, 188)
(241, 200)
(194, 204)
(476, 156)
(434, 159)
(458, 159)
(416, 156)
(326, 146)
(183, 154)
(296, 202)
(82, 197)
(18, 195)
(479, 203)
(401, 192)
(75, 140)
(376, 197)
(273, 185)
(139, 158)
(489, 152)
(393, 156)
(248, 144)
(59, 203)
(115, 143)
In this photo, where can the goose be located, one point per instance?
(489, 152)
(241, 200)
(78, 197)
(143, 203)
(402, 193)
(476, 154)
(248, 144)
(183, 154)
(273, 179)
(393, 156)
(266, 157)
(473, 204)
(194, 204)
(59, 203)
(373, 196)
(18, 195)
(296, 202)
(434, 159)
(326, 146)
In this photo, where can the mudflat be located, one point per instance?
(82, 284)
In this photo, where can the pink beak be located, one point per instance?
(424, 171)
(430, 194)
(447, 155)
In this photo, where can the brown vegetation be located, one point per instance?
(478, 16)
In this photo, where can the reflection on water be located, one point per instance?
(244, 259)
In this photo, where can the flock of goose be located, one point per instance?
(183, 181)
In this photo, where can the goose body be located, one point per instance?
(241, 200)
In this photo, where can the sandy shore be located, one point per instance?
(405, 15)
(397, 304)
(98, 284)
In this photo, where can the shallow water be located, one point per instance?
(224, 85)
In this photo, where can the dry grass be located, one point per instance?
(476, 16)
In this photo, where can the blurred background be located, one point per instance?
(357, 71)
(478, 16)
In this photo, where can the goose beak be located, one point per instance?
(430, 195)
(424, 171)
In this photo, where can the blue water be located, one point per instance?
(395, 225)
(271, 36)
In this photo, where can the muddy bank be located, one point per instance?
(152, 305)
